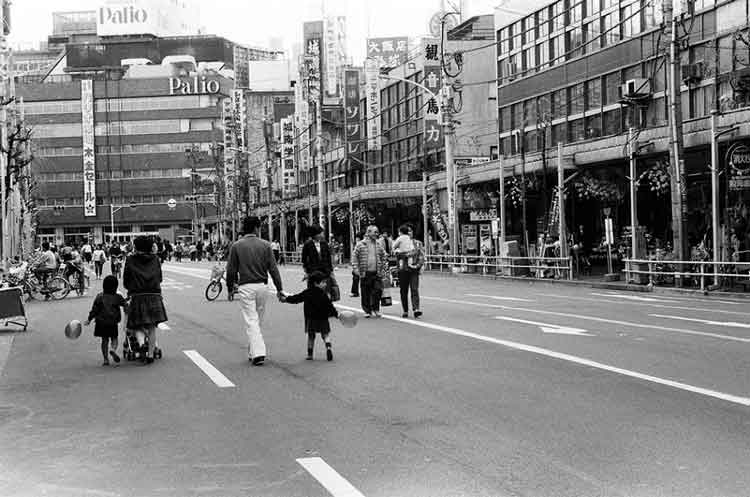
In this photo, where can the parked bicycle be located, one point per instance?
(38, 287)
(76, 281)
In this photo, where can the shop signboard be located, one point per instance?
(485, 239)
(313, 37)
(738, 158)
(334, 57)
(438, 223)
(372, 89)
(482, 215)
(352, 115)
(227, 115)
(302, 120)
(433, 130)
(240, 117)
(289, 173)
(388, 52)
(470, 161)
(89, 157)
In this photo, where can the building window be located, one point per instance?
(517, 117)
(542, 19)
(594, 126)
(608, 3)
(575, 14)
(57, 130)
(559, 104)
(593, 94)
(542, 55)
(543, 106)
(612, 122)
(558, 134)
(575, 42)
(504, 41)
(725, 54)
(611, 28)
(592, 33)
(529, 29)
(517, 35)
(529, 112)
(529, 60)
(592, 7)
(52, 107)
(612, 84)
(656, 114)
(504, 117)
(576, 99)
(576, 131)
(631, 20)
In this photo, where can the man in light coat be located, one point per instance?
(370, 263)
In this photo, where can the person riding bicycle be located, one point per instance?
(74, 263)
(115, 258)
(47, 264)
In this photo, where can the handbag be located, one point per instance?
(333, 289)
(385, 299)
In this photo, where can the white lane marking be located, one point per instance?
(593, 318)
(662, 298)
(172, 284)
(336, 484)
(577, 360)
(704, 321)
(548, 328)
(208, 368)
(495, 297)
(660, 306)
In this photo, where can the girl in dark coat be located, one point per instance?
(318, 308)
(142, 278)
(106, 312)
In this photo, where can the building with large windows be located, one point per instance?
(582, 73)
(142, 129)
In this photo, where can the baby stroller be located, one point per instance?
(132, 350)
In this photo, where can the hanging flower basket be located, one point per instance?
(587, 187)
(657, 179)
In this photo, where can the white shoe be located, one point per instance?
(378, 314)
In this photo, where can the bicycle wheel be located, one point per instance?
(36, 291)
(58, 288)
(213, 290)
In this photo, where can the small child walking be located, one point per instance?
(318, 308)
(106, 312)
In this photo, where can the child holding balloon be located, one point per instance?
(106, 312)
(318, 309)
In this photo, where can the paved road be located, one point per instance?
(501, 389)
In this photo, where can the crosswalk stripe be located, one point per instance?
(208, 368)
(336, 484)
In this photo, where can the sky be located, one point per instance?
(254, 22)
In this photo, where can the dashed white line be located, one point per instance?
(497, 297)
(660, 306)
(208, 368)
(336, 484)
(574, 359)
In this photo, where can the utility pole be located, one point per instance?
(450, 173)
(677, 162)
(321, 165)
(561, 202)
(501, 228)
(632, 150)
(5, 75)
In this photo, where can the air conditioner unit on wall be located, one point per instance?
(635, 89)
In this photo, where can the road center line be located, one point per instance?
(574, 359)
(593, 318)
(660, 306)
(208, 368)
(336, 484)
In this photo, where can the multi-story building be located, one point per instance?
(583, 73)
(142, 130)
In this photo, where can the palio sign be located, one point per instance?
(196, 86)
(123, 15)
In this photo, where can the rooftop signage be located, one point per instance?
(198, 85)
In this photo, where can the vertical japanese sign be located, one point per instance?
(302, 121)
(227, 115)
(313, 32)
(352, 117)
(288, 171)
(433, 131)
(240, 117)
(332, 57)
(388, 52)
(89, 157)
(372, 89)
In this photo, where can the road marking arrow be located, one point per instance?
(729, 324)
(549, 328)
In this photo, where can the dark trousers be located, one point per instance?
(372, 290)
(409, 280)
(355, 285)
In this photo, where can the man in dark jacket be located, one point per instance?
(252, 259)
(316, 254)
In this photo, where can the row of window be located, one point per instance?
(124, 200)
(176, 102)
(138, 148)
(154, 127)
(116, 174)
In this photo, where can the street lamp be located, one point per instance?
(450, 172)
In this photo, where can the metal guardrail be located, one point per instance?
(665, 272)
(535, 267)
(290, 257)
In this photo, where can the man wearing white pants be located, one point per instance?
(249, 264)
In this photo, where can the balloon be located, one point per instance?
(73, 329)
(348, 319)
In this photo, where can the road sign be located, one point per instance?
(171, 203)
(609, 231)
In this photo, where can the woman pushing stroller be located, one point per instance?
(142, 278)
